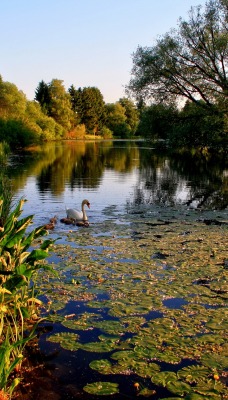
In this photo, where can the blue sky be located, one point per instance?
(82, 42)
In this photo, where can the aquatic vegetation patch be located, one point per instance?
(148, 313)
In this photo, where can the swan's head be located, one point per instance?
(86, 202)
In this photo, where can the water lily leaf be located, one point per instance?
(146, 370)
(174, 398)
(178, 387)
(215, 361)
(111, 338)
(194, 373)
(210, 388)
(110, 327)
(168, 356)
(147, 392)
(195, 396)
(162, 378)
(217, 324)
(67, 340)
(123, 355)
(210, 338)
(103, 366)
(147, 353)
(98, 347)
(102, 388)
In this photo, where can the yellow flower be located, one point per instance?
(136, 385)
(3, 308)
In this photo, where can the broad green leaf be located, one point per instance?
(68, 341)
(98, 347)
(37, 255)
(178, 387)
(163, 378)
(194, 373)
(102, 366)
(102, 388)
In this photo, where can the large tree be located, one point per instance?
(88, 106)
(189, 62)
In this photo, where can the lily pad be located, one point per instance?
(163, 378)
(179, 387)
(102, 366)
(194, 373)
(102, 388)
(67, 340)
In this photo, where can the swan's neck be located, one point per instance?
(84, 216)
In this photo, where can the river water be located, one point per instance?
(60, 175)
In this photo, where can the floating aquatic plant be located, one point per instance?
(148, 310)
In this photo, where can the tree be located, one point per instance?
(190, 62)
(12, 101)
(157, 121)
(92, 108)
(56, 103)
(131, 113)
(76, 103)
(116, 120)
(60, 104)
(197, 128)
(42, 95)
(88, 107)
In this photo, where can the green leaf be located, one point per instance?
(67, 340)
(163, 378)
(194, 373)
(196, 396)
(103, 366)
(15, 283)
(23, 223)
(147, 392)
(102, 388)
(15, 239)
(37, 255)
(178, 387)
(98, 347)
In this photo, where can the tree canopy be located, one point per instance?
(89, 106)
(189, 62)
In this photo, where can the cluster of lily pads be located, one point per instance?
(155, 289)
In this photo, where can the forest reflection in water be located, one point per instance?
(115, 173)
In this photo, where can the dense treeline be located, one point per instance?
(187, 67)
(59, 114)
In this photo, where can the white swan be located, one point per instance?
(78, 215)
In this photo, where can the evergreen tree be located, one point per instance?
(42, 95)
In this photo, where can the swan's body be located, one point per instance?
(78, 215)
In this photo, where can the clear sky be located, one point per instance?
(82, 42)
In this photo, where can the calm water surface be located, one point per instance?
(113, 173)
